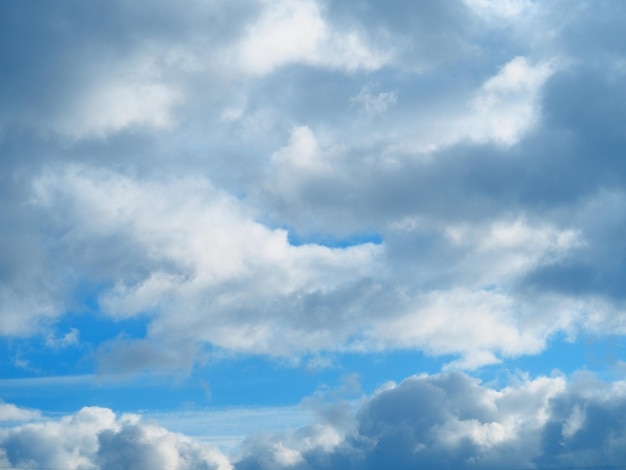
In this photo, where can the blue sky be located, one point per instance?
(312, 234)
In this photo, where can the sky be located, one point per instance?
(312, 234)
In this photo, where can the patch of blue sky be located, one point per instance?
(68, 349)
(334, 241)
(599, 355)
(228, 382)
(227, 427)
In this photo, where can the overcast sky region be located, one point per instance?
(312, 234)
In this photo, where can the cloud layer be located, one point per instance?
(453, 421)
(438, 421)
(163, 162)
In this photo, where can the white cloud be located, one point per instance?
(507, 249)
(113, 107)
(291, 31)
(139, 90)
(452, 420)
(206, 258)
(475, 324)
(503, 110)
(21, 312)
(467, 226)
(205, 272)
(10, 412)
(507, 104)
(301, 153)
(424, 420)
(374, 104)
(499, 9)
(96, 437)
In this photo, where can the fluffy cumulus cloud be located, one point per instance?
(214, 274)
(453, 421)
(437, 421)
(97, 438)
(296, 32)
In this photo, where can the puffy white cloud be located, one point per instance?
(212, 273)
(502, 110)
(451, 420)
(204, 271)
(149, 446)
(507, 104)
(10, 412)
(437, 420)
(296, 32)
(97, 438)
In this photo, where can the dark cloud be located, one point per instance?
(424, 34)
(56, 55)
(451, 421)
(440, 421)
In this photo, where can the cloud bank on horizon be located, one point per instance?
(439, 421)
(295, 178)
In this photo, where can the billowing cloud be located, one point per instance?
(438, 421)
(196, 262)
(97, 438)
(201, 266)
(296, 32)
(452, 420)
(10, 412)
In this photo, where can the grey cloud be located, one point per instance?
(466, 210)
(425, 34)
(126, 356)
(451, 421)
(97, 439)
(60, 58)
(439, 421)
(137, 446)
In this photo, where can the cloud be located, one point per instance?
(373, 104)
(163, 170)
(506, 105)
(97, 438)
(452, 420)
(296, 32)
(90, 74)
(70, 338)
(439, 420)
(188, 242)
(10, 412)
(497, 10)
(202, 271)
(143, 446)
